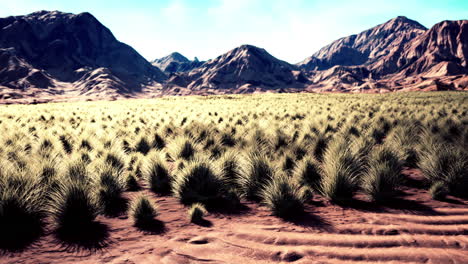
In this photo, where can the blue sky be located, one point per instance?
(289, 29)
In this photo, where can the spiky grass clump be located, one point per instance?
(403, 140)
(143, 145)
(111, 187)
(447, 164)
(156, 173)
(77, 171)
(158, 142)
(383, 175)
(308, 173)
(341, 171)
(143, 212)
(21, 208)
(196, 213)
(182, 148)
(283, 197)
(131, 183)
(438, 190)
(198, 182)
(230, 169)
(116, 159)
(256, 172)
(74, 207)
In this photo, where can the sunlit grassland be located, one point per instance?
(67, 163)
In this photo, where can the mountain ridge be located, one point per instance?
(52, 55)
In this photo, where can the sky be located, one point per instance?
(288, 29)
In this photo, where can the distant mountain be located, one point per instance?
(243, 69)
(366, 47)
(49, 49)
(400, 55)
(176, 62)
(55, 56)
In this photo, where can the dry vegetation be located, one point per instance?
(62, 165)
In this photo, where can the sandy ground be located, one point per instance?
(411, 229)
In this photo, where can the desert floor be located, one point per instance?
(413, 228)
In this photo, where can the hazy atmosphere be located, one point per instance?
(290, 30)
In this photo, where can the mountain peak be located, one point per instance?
(176, 62)
(367, 46)
(179, 57)
(404, 20)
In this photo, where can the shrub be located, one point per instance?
(156, 174)
(283, 197)
(341, 171)
(447, 164)
(383, 174)
(438, 190)
(158, 142)
(131, 183)
(21, 209)
(67, 143)
(74, 206)
(111, 187)
(77, 171)
(256, 172)
(116, 159)
(142, 211)
(230, 169)
(182, 148)
(143, 146)
(320, 146)
(403, 139)
(196, 213)
(198, 182)
(308, 173)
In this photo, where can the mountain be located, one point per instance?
(366, 47)
(244, 69)
(176, 62)
(56, 56)
(48, 49)
(442, 50)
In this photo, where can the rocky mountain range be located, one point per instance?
(56, 56)
(244, 69)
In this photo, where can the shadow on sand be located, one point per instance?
(153, 227)
(90, 237)
(394, 203)
(309, 220)
(18, 236)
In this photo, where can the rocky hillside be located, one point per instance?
(243, 69)
(44, 48)
(366, 47)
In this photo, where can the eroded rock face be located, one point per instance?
(442, 50)
(66, 46)
(365, 47)
(397, 55)
(245, 65)
(176, 62)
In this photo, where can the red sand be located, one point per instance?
(411, 229)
